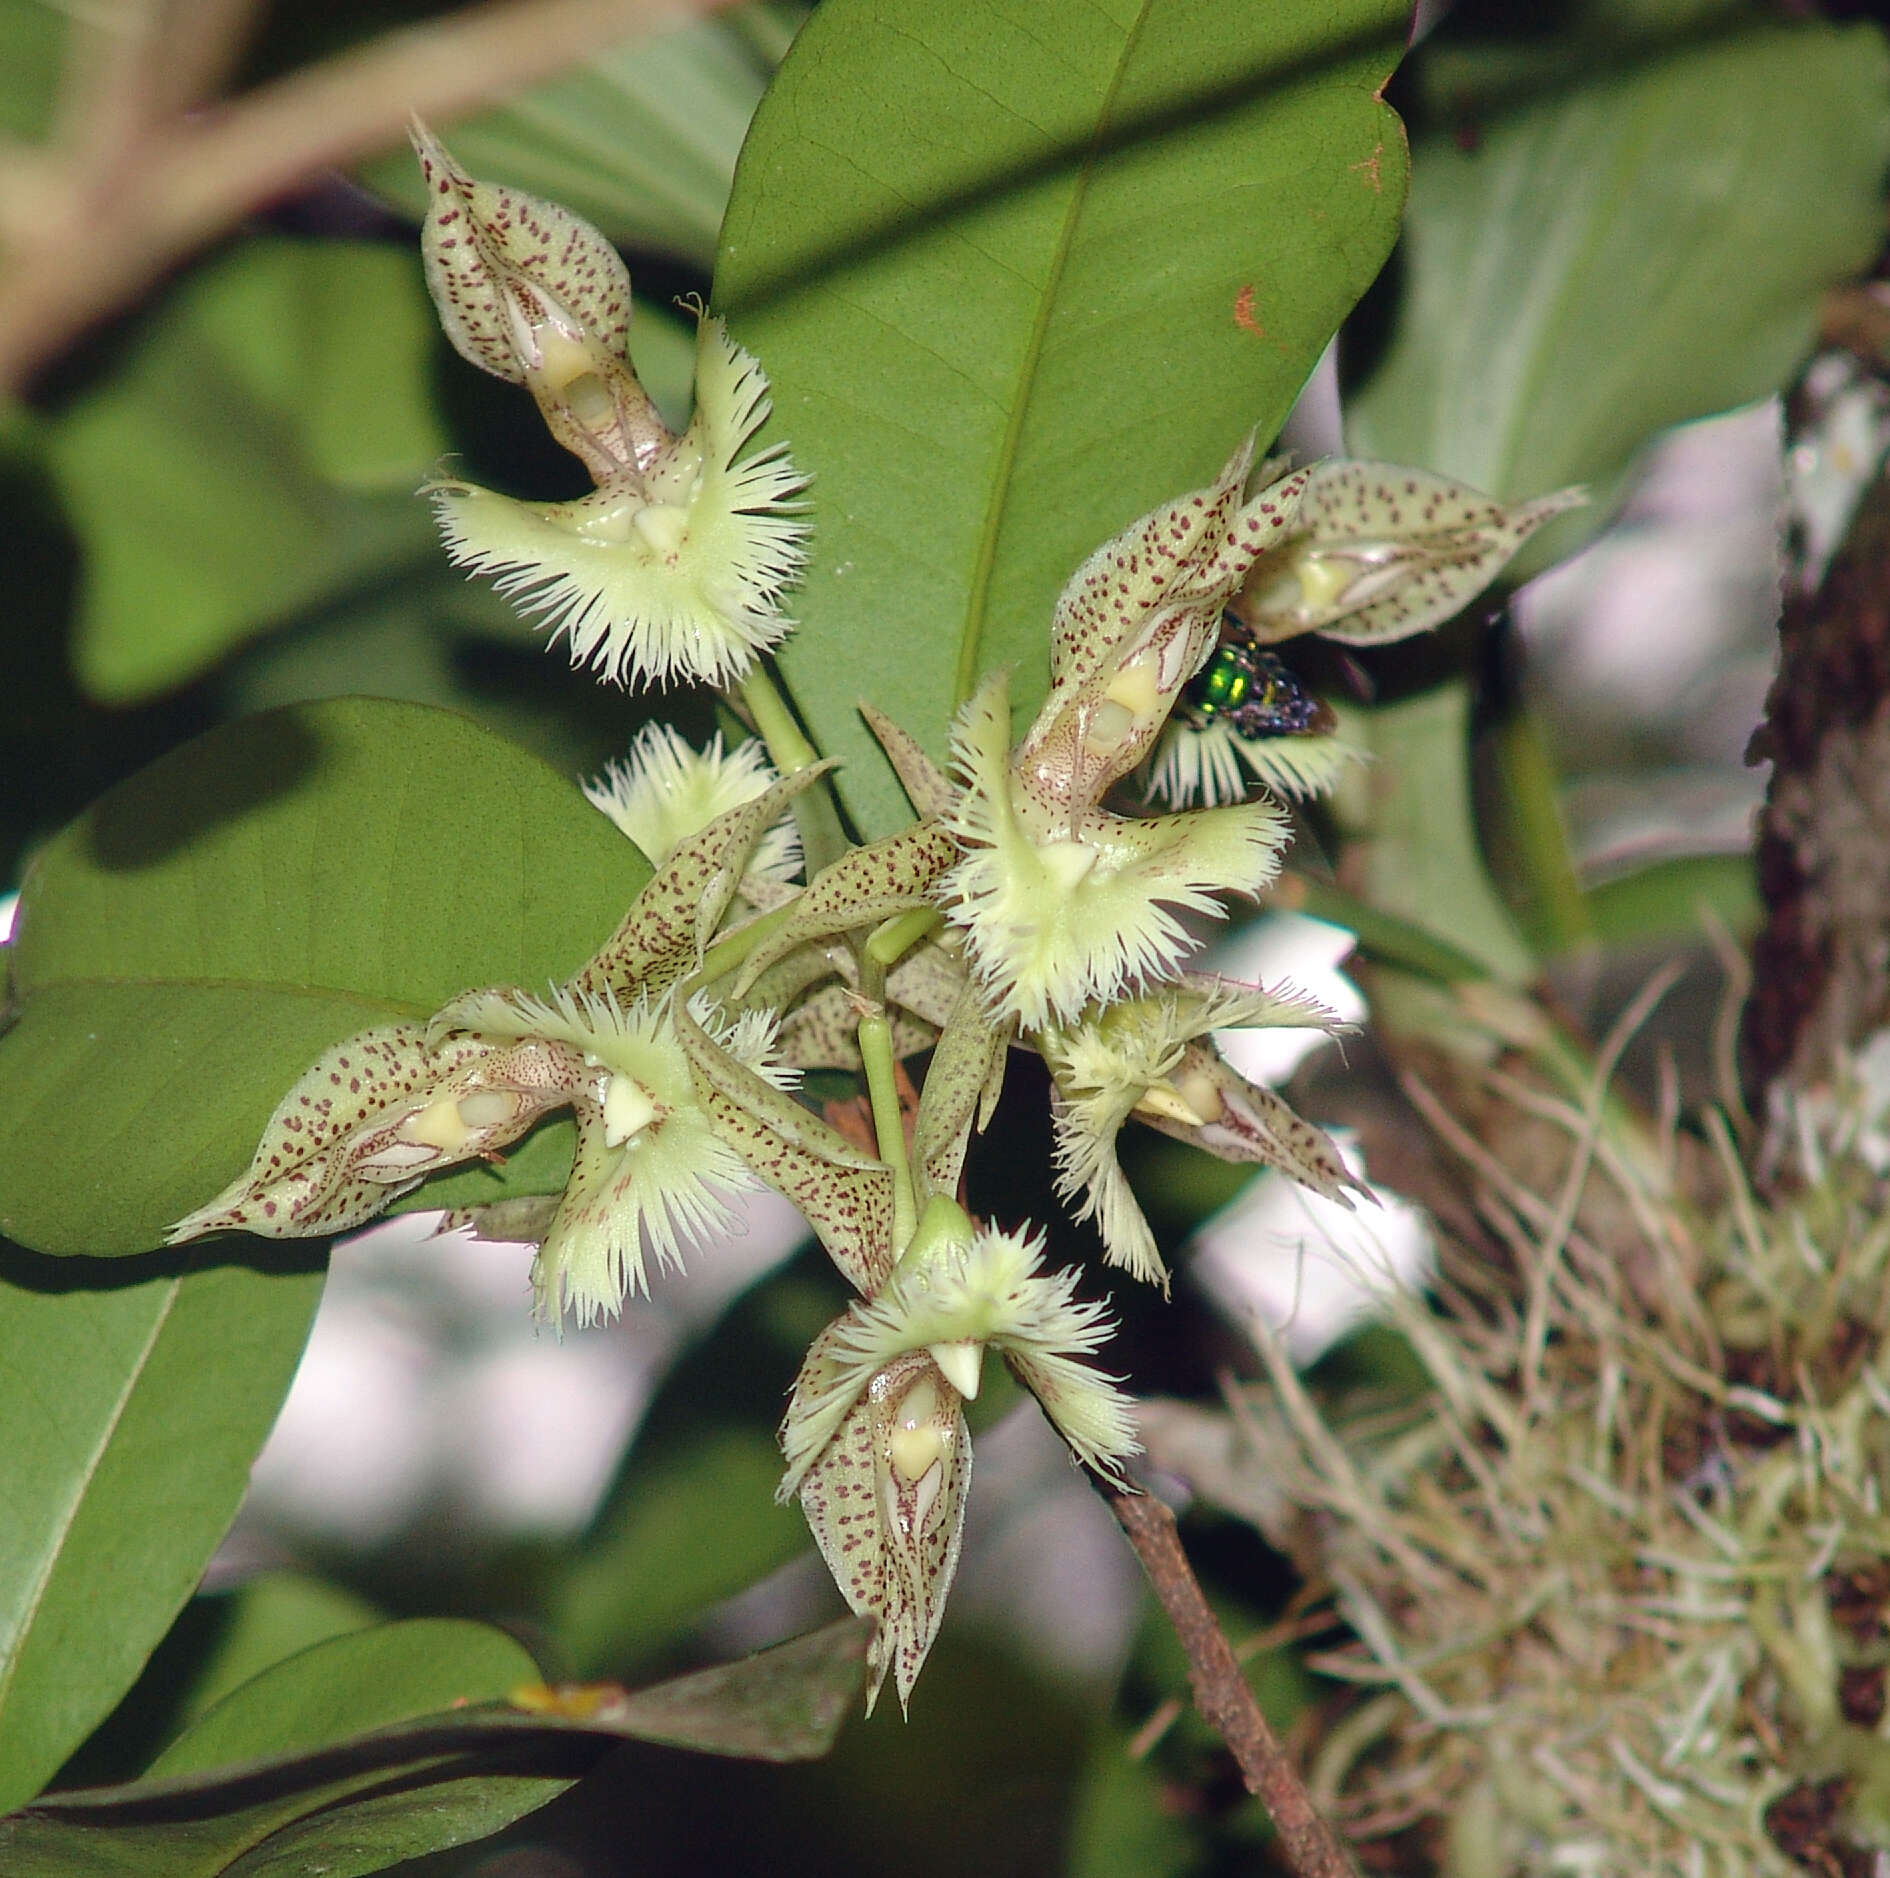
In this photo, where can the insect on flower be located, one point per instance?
(1252, 691)
(1246, 717)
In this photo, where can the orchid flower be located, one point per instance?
(1376, 553)
(1063, 904)
(1148, 1057)
(664, 791)
(875, 1437)
(375, 1115)
(651, 1166)
(674, 566)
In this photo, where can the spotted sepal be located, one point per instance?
(373, 1117)
(1253, 1124)
(670, 923)
(845, 1195)
(487, 249)
(866, 885)
(1381, 552)
(971, 1052)
(885, 1502)
(1134, 624)
(925, 784)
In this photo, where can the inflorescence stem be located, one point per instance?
(823, 841)
(876, 1052)
(731, 953)
(1221, 1693)
(893, 939)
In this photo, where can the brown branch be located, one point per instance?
(204, 43)
(88, 227)
(1857, 317)
(1221, 1693)
(1818, 985)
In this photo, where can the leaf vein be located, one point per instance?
(978, 599)
(9, 1669)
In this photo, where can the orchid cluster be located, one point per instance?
(1023, 910)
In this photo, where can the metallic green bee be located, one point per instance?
(1251, 690)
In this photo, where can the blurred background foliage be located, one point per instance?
(1624, 217)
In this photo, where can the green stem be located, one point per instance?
(726, 954)
(788, 747)
(1538, 839)
(876, 1052)
(823, 840)
(892, 940)
(1389, 939)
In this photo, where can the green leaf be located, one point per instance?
(783, 1704)
(645, 1576)
(32, 47)
(144, 1392)
(434, 637)
(190, 944)
(263, 1621)
(351, 1685)
(1422, 860)
(641, 140)
(221, 1638)
(361, 1803)
(1669, 900)
(257, 452)
(1014, 288)
(340, 1827)
(1641, 249)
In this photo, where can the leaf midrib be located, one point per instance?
(23, 1634)
(971, 641)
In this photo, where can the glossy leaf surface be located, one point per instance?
(1607, 258)
(257, 452)
(188, 946)
(368, 1679)
(264, 1621)
(359, 1803)
(142, 1393)
(1017, 283)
